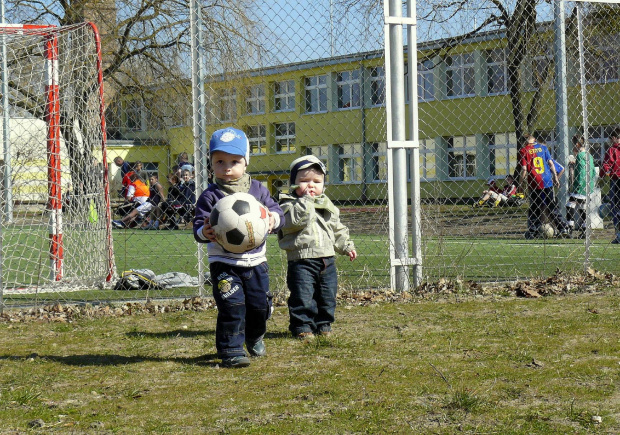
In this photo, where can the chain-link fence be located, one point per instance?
(309, 77)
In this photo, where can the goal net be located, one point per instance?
(55, 226)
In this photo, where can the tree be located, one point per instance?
(145, 44)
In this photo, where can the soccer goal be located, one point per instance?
(55, 229)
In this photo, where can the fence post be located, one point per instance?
(199, 117)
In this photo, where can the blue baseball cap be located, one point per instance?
(231, 141)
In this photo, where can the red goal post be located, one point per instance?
(54, 82)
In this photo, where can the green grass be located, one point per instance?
(466, 258)
(457, 364)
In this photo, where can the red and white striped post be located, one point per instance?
(54, 191)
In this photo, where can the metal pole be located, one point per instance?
(199, 117)
(6, 131)
(584, 116)
(561, 107)
(5, 141)
(399, 155)
(416, 220)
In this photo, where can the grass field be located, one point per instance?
(482, 258)
(454, 364)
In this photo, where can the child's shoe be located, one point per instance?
(497, 203)
(233, 362)
(479, 203)
(305, 336)
(256, 349)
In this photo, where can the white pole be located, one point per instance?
(6, 132)
(199, 117)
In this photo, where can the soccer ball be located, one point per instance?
(546, 231)
(241, 223)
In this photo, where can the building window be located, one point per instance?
(502, 154)
(428, 156)
(379, 161)
(601, 65)
(598, 140)
(377, 86)
(542, 72)
(461, 156)
(460, 78)
(255, 100)
(426, 82)
(257, 136)
(497, 73)
(134, 115)
(350, 163)
(316, 94)
(284, 96)
(285, 137)
(349, 89)
(228, 105)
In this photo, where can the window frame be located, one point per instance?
(467, 151)
(227, 99)
(318, 90)
(356, 158)
(288, 138)
(349, 89)
(425, 71)
(257, 140)
(255, 103)
(458, 71)
(288, 96)
(493, 64)
(377, 86)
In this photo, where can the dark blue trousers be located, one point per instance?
(313, 283)
(543, 201)
(244, 304)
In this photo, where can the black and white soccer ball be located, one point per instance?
(241, 223)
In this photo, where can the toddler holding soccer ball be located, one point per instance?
(240, 280)
(311, 235)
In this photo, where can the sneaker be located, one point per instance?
(256, 349)
(118, 224)
(325, 332)
(304, 335)
(479, 203)
(497, 203)
(151, 226)
(530, 235)
(616, 241)
(233, 362)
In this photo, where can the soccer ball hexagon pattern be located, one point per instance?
(546, 231)
(241, 223)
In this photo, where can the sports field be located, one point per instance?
(480, 257)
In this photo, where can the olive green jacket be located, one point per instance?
(312, 228)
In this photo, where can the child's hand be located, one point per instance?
(208, 232)
(272, 221)
(352, 255)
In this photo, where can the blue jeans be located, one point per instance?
(313, 283)
(244, 304)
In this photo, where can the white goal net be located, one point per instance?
(55, 226)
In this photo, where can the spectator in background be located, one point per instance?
(496, 195)
(611, 168)
(138, 168)
(156, 196)
(183, 162)
(173, 203)
(581, 167)
(138, 195)
(538, 173)
(125, 166)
